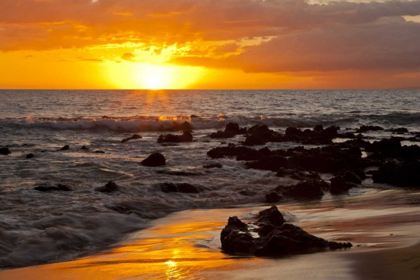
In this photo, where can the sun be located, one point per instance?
(156, 77)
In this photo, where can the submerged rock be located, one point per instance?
(48, 188)
(5, 151)
(29, 156)
(213, 165)
(170, 138)
(276, 237)
(134, 137)
(65, 148)
(154, 160)
(108, 188)
(366, 128)
(182, 188)
(84, 148)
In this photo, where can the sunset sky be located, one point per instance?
(206, 44)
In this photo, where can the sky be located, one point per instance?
(209, 44)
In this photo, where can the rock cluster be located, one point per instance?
(275, 237)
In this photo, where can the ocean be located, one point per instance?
(38, 227)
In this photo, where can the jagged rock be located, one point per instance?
(65, 148)
(213, 165)
(318, 128)
(170, 138)
(85, 148)
(134, 137)
(108, 188)
(272, 197)
(154, 160)
(276, 237)
(399, 130)
(182, 188)
(185, 126)
(402, 175)
(231, 130)
(5, 151)
(272, 163)
(366, 128)
(48, 188)
(230, 151)
(305, 189)
(344, 182)
(300, 175)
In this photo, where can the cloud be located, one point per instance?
(289, 36)
(127, 56)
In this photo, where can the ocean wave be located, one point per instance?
(153, 123)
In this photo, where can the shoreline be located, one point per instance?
(186, 244)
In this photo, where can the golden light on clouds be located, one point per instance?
(158, 44)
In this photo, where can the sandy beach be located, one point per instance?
(185, 245)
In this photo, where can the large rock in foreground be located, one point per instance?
(276, 237)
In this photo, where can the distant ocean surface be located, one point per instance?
(46, 227)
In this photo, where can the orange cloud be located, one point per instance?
(293, 37)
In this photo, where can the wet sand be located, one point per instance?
(381, 224)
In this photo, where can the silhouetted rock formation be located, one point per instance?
(231, 130)
(170, 138)
(276, 237)
(154, 160)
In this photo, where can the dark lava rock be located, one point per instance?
(230, 151)
(182, 188)
(385, 147)
(5, 151)
(213, 165)
(344, 181)
(65, 148)
(48, 188)
(185, 126)
(366, 128)
(85, 148)
(108, 188)
(170, 138)
(276, 237)
(399, 130)
(99, 152)
(29, 156)
(271, 216)
(154, 160)
(231, 130)
(306, 189)
(402, 175)
(134, 137)
(272, 163)
(300, 175)
(272, 197)
(261, 134)
(318, 128)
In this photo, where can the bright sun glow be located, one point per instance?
(150, 76)
(156, 77)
